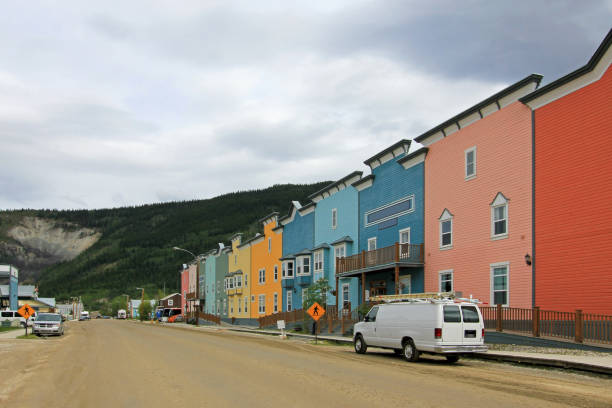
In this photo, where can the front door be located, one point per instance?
(405, 285)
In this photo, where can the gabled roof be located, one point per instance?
(597, 57)
(476, 110)
(47, 301)
(395, 149)
(321, 246)
(416, 153)
(345, 238)
(336, 184)
(169, 296)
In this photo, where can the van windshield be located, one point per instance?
(470, 314)
(451, 314)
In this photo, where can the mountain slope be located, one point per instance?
(132, 247)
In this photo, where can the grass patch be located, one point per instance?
(329, 343)
(5, 329)
(29, 336)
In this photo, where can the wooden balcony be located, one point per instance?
(400, 254)
(190, 296)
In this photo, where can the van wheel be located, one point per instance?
(410, 352)
(452, 358)
(360, 346)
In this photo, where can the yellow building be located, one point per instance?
(238, 280)
(266, 250)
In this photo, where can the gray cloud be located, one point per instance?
(137, 102)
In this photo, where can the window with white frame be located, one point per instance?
(340, 251)
(404, 236)
(500, 292)
(230, 282)
(224, 306)
(390, 211)
(238, 281)
(253, 298)
(262, 304)
(304, 296)
(246, 279)
(262, 276)
(246, 304)
(239, 306)
(499, 217)
(289, 300)
(372, 244)
(269, 245)
(275, 302)
(470, 163)
(446, 230)
(446, 281)
(345, 295)
(318, 261)
(275, 273)
(287, 269)
(303, 265)
(334, 218)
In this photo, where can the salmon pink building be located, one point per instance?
(478, 200)
(572, 188)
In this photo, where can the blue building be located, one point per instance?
(297, 263)
(10, 274)
(336, 236)
(391, 214)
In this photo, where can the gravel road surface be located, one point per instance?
(108, 363)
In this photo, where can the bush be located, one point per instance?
(144, 310)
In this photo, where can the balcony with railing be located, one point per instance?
(287, 283)
(397, 254)
(303, 280)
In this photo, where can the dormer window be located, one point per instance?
(499, 217)
(446, 230)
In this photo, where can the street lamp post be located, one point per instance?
(197, 280)
(127, 301)
(141, 298)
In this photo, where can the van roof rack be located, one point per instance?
(414, 297)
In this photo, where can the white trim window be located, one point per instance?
(334, 218)
(446, 280)
(372, 244)
(239, 306)
(246, 304)
(304, 295)
(269, 245)
(303, 266)
(499, 217)
(262, 304)
(289, 301)
(404, 236)
(275, 273)
(318, 261)
(500, 283)
(238, 281)
(470, 163)
(389, 211)
(446, 230)
(345, 295)
(262, 276)
(275, 302)
(287, 271)
(246, 278)
(339, 251)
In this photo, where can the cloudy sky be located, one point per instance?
(105, 104)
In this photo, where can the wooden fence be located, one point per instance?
(209, 317)
(330, 322)
(576, 326)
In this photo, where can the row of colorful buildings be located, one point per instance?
(503, 202)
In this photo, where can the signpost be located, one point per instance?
(26, 312)
(316, 311)
(281, 326)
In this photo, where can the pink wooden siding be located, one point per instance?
(503, 164)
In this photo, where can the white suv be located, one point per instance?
(431, 326)
(13, 317)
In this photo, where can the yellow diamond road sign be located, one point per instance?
(26, 311)
(316, 311)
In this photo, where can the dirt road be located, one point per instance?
(106, 363)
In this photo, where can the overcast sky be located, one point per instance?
(106, 104)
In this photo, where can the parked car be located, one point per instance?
(15, 318)
(425, 326)
(47, 324)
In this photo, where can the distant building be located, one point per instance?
(9, 275)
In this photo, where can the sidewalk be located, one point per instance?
(600, 363)
(13, 334)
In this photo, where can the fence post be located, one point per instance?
(578, 327)
(499, 318)
(536, 321)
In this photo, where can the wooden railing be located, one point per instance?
(209, 317)
(190, 295)
(331, 321)
(386, 255)
(576, 326)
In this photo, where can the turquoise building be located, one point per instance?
(297, 262)
(336, 235)
(216, 268)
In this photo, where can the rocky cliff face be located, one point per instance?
(37, 243)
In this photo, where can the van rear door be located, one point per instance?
(472, 325)
(452, 329)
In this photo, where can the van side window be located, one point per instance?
(372, 314)
(451, 314)
(470, 314)
(7, 314)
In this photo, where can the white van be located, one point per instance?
(430, 326)
(121, 314)
(15, 318)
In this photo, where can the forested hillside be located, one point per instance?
(135, 247)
